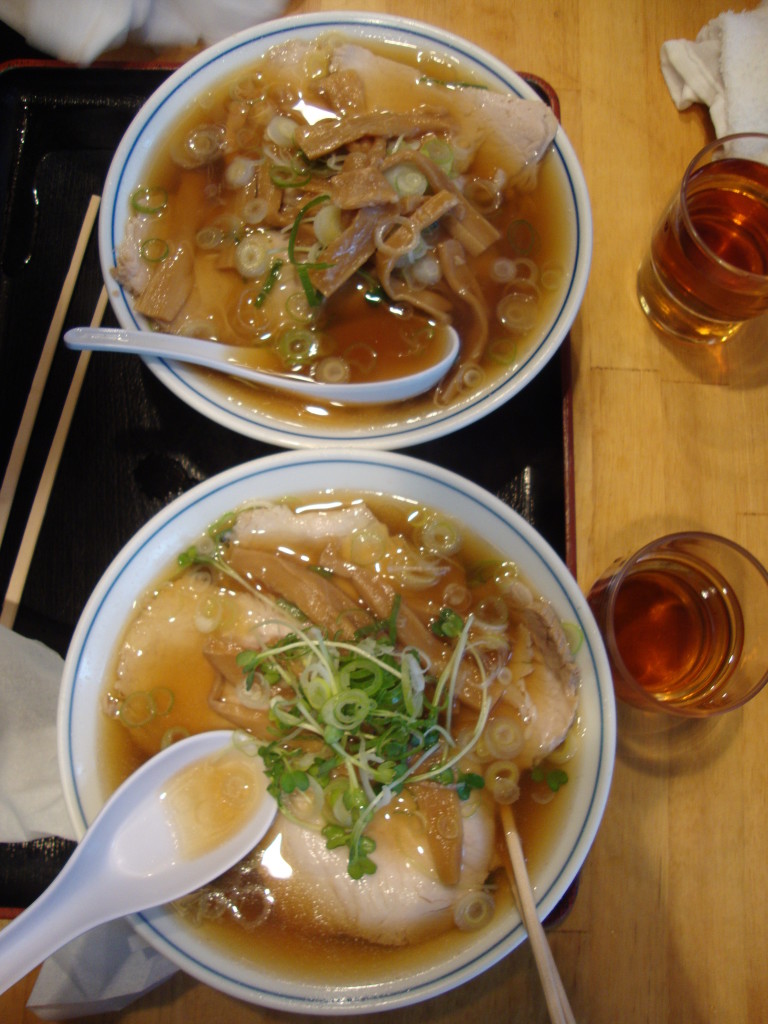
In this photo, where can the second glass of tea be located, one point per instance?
(685, 624)
(706, 271)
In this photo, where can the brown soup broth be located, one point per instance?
(174, 661)
(289, 952)
(545, 209)
(533, 221)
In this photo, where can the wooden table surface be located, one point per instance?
(670, 923)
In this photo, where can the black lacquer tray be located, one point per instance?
(132, 446)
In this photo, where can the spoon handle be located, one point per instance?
(195, 351)
(162, 346)
(61, 913)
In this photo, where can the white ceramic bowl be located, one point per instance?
(172, 530)
(220, 61)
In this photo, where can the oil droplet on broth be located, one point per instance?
(209, 801)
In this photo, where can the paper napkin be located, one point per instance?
(31, 797)
(110, 966)
(102, 971)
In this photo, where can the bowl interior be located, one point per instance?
(153, 550)
(391, 429)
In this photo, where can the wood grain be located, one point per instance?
(669, 925)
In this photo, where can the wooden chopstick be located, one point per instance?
(557, 1001)
(20, 445)
(43, 493)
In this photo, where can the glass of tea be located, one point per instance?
(706, 271)
(685, 624)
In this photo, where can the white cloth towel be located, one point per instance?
(80, 30)
(110, 966)
(726, 68)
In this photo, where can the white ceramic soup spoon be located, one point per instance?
(229, 359)
(167, 830)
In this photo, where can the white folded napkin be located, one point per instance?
(80, 30)
(102, 971)
(31, 797)
(726, 68)
(110, 966)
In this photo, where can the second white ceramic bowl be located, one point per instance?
(150, 554)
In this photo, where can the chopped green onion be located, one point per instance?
(173, 735)
(318, 691)
(297, 224)
(255, 210)
(311, 293)
(503, 350)
(272, 276)
(412, 695)
(284, 176)
(492, 612)
(346, 710)
(298, 308)
(252, 255)
(210, 237)
(474, 910)
(361, 673)
(164, 699)
(240, 172)
(137, 709)
(298, 346)
(154, 250)
(302, 269)
(149, 200)
(502, 781)
(201, 146)
(333, 370)
(439, 152)
(327, 224)
(440, 536)
(407, 180)
(281, 130)
(574, 634)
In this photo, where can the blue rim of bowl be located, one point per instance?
(560, 581)
(186, 385)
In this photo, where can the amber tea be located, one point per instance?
(678, 627)
(707, 269)
(685, 623)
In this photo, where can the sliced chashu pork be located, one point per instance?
(547, 697)
(404, 901)
(269, 526)
(518, 131)
(164, 647)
